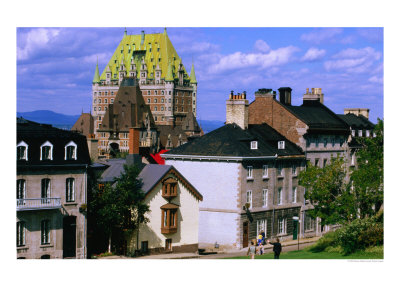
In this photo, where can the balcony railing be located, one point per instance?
(38, 203)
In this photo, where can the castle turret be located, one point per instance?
(96, 78)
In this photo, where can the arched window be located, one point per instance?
(46, 151)
(22, 151)
(70, 151)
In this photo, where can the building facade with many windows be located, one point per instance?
(52, 172)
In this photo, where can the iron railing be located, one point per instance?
(38, 203)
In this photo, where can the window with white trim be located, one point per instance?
(254, 145)
(46, 151)
(21, 233)
(294, 169)
(261, 226)
(70, 190)
(22, 151)
(21, 192)
(70, 151)
(281, 145)
(309, 222)
(249, 172)
(280, 196)
(279, 169)
(367, 134)
(353, 132)
(265, 171)
(282, 222)
(360, 133)
(265, 197)
(249, 198)
(45, 232)
(294, 195)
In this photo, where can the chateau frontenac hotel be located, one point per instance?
(166, 86)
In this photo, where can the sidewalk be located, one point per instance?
(221, 254)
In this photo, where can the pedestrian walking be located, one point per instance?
(252, 250)
(277, 248)
(263, 237)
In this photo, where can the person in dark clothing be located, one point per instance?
(277, 248)
(263, 237)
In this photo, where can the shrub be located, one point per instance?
(360, 234)
(328, 240)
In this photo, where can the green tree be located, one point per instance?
(121, 205)
(368, 177)
(328, 192)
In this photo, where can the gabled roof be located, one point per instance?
(357, 122)
(150, 175)
(128, 109)
(190, 123)
(317, 116)
(231, 140)
(84, 125)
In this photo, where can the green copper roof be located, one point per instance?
(169, 76)
(192, 75)
(96, 78)
(156, 49)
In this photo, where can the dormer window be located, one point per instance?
(254, 145)
(170, 188)
(46, 151)
(22, 151)
(281, 145)
(70, 151)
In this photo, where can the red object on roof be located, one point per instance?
(157, 157)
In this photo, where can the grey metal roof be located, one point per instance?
(151, 175)
(115, 168)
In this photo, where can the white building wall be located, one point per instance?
(219, 184)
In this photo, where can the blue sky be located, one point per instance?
(55, 66)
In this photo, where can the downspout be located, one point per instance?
(84, 222)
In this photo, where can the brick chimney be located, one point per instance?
(285, 95)
(265, 93)
(314, 95)
(237, 110)
(134, 140)
(357, 111)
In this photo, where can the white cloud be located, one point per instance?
(313, 54)
(239, 60)
(261, 46)
(198, 47)
(36, 39)
(353, 60)
(320, 35)
(376, 79)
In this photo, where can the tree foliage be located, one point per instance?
(328, 192)
(368, 177)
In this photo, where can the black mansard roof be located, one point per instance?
(357, 122)
(231, 140)
(35, 135)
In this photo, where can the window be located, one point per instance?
(95, 101)
(168, 245)
(294, 169)
(280, 170)
(21, 189)
(112, 100)
(20, 234)
(265, 171)
(105, 108)
(155, 108)
(170, 188)
(45, 232)
(254, 145)
(46, 151)
(155, 100)
(112, 93)
(94, 108)
(148, 100)
(281, 145)
(353, 133)
(282, 225)
(70, 190)
(145, 247)
(99, 108)
(45, 189)
(280, 196)
(265, 197)
(169, 217)
(249, 172)
(316, 142)
(22, 151)
(162, 100)
(325, 161)
(99, 101)
(70, 151)
(360, 133)
(333, 142)
(162, 108)
(261, 226)
(294, 195)
(148, 92)
(105, 100)
(249, 198)
(367, 133)
(317, 162)
(325, 142)
(309, 223)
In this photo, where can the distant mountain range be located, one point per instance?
(67, 121)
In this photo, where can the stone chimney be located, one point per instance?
(134, 140)
(314, 95)
(285, 95)
(237, 110)
(357, 111)
(265, 93)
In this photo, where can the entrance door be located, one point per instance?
(69, 236)
(245, 234)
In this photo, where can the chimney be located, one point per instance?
(265, 93)
(237, 110)
(315, 95)
(357, 111)
(134, 142)
(285, 95)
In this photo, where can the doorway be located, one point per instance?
(245, 234)
(69, 236)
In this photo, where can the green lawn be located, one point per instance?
(372, 253)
